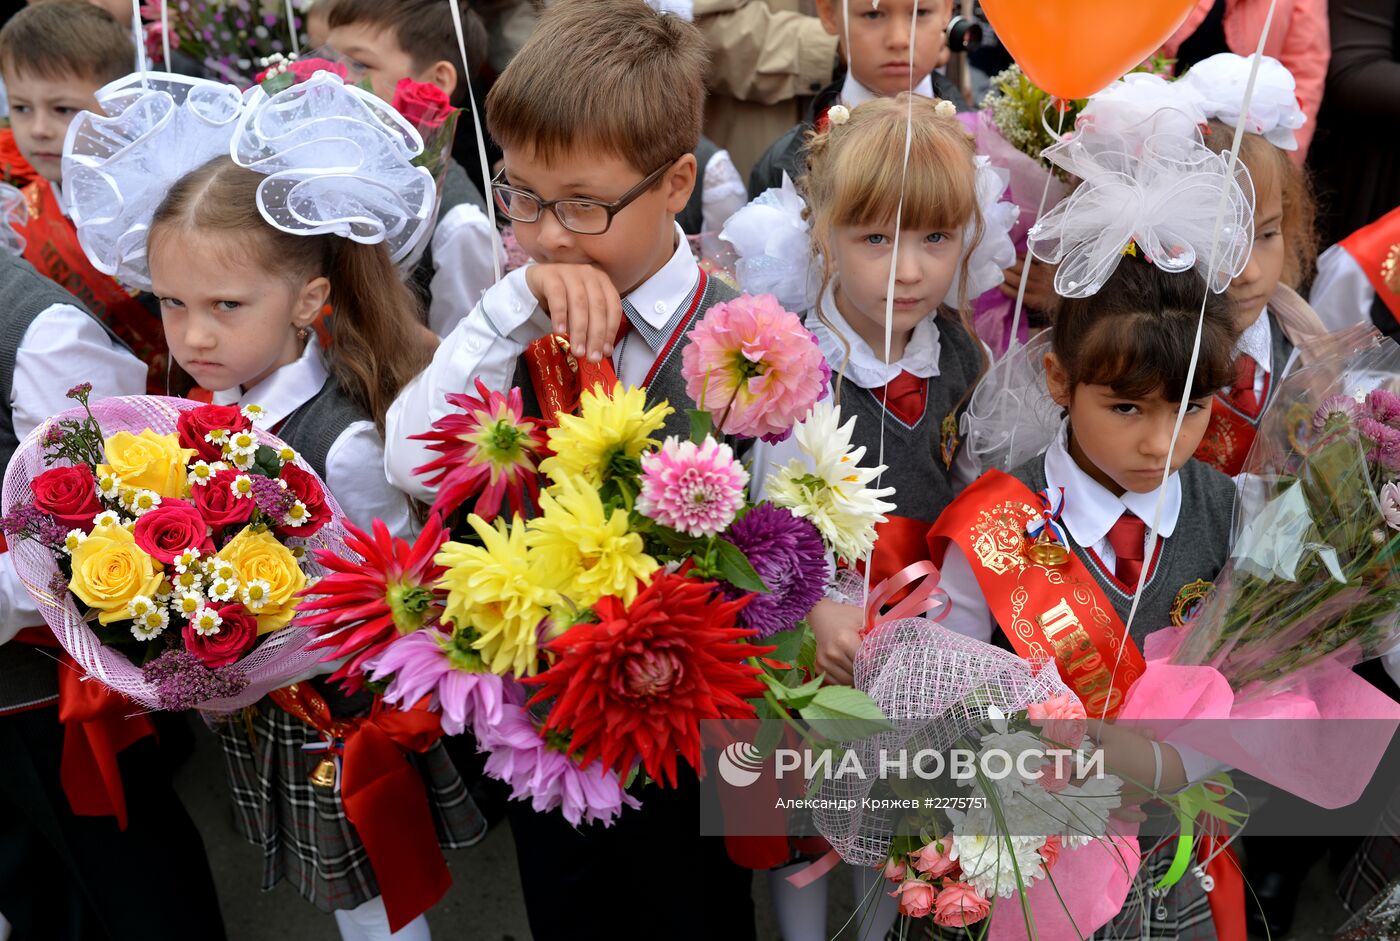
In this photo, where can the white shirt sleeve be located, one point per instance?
(1341, 294)
(968, 613)
(462, 266)
(353, 474)
(484, 345)
(724, 193)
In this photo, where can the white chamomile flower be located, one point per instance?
(110, 486)
(298, 552)
(140, 606)
(241, 460)
(188, 580)
(201, 472)
(223, 570)
(255, 594)
(187, 560)
(187, 603)
(106, 518)
(222, 590)
(287, 455)
(143, 501)
(218, 436)
(73, 540)
(242, 487)
(297, 516)
(164, 591)
(253, 412)
(243, 442)
(206, 621)
(150, 625)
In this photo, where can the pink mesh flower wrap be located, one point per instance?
(279, 658)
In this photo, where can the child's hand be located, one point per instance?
(1040, 284)
(582, 303)
(836, 628)
(1128, 754)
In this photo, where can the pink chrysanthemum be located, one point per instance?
(430, 662)
(489, 449)
(693, 489)
(1336, 412)
(548, 778)
(1384, 406)
(754, 365)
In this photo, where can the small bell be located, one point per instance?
(324, 775)
(1045, 550)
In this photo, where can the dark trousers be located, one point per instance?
(649, 875)
(68, 877)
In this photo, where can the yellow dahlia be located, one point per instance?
(588, 552)
(497, 591)
(608, 435)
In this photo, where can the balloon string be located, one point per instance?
(496, 249)
(139, 41)
(292, 28)
(1026, 261)
(165, 32)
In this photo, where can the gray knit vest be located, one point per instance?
(313, 428)
(692, 217)
(28, 676)
(457, 188)
(922, 481)
(667, 384)
(1196, 551)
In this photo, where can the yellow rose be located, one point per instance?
(148, 461)
(260, 558)
(109, 569)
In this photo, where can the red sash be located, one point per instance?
(1045, 610)
(1376, 249)
(1228, 438)
(14, 169)
(51, 245)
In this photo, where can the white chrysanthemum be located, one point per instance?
(1087, 804)
(73, 540)
(140, 606)
(242, 487)
(833, 492)
(151, 624)
(996, 865)
(206, 621)
(110, 486)
(222, 590)
(255, 594)
(188, 603)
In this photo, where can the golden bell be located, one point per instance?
(1046, 551)
(324, 775)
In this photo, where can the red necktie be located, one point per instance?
(1242, 394)
(904, 397)
(1126, 538)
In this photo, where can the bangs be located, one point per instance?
(1142, 355)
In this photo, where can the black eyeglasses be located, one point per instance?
(579, 215)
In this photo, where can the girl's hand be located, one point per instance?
(582, 303)
(1040, 284)
(836, 628)
(1128, 754)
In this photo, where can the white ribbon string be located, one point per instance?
(139, 40)
(1026, 261)
(1220, 208)
(496, 249)
(165, 32)
(291, 28)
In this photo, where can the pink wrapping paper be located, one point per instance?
(1093, 882)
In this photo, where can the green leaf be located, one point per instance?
(700, 424)
(789, 644)
(266, 462)
(769, 735)
(844, 714)
(734, 568)
(796, 697)
(807, 654)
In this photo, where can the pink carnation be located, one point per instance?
(693, 489)
(959, 904)
(754, 365)
(1061, 719)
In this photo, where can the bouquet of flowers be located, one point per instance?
(634, 591)
(228, 37)
(165, 544)
(994, 825)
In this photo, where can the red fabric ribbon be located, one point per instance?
(384, 796)
(98, 723)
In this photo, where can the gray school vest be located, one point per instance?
(1186, 563)
(313, 429)
(692, 217)
(457, 188)
(913, 454)
(28, 676)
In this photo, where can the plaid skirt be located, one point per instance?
(1376, 864)
(302, 828)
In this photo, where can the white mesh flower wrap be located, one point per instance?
(1010, 417)
(935, 687)
(338, 161)
(1160, 192)
(996, 251)
(774, 245)
(16, 215)
(1217, 85)
(117, 168)
(279, 658)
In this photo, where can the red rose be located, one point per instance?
(308, 490)
(235, 637)
(425, 106)
(305, 68)
(217, 504)
(198, 422)
(170, 529)
(69, 495)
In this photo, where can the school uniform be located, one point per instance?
(718, 194)
(456, 266)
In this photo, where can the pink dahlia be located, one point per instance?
(430, 662)
(489, 450)
(694, 489)
(548, 778)
(753, 363)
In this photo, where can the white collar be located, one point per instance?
(854, 93)
(863, 367)
(1257, 341)
(285, 391)
(1090, 509)
(658, 299)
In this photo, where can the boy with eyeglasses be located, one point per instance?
(597, 117)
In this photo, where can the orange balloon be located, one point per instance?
(1073, 48)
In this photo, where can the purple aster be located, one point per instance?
(428, 662)
(788, 554)
(183, 682)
